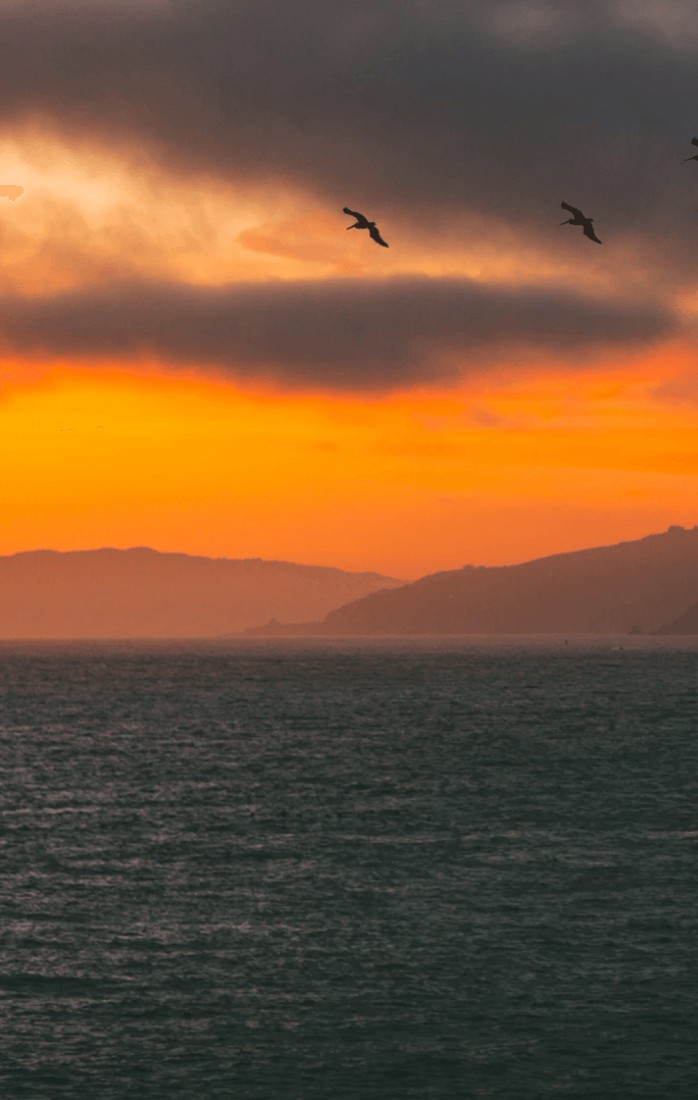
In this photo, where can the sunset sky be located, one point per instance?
(195, 355)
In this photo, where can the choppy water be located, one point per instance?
(368, 871)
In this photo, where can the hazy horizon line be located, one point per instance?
(675, 528)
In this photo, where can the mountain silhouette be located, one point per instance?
(685, 624)
(630, 587)
(143, 593)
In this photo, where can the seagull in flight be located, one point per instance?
(362, 222)
(694, 141)
(579, 219)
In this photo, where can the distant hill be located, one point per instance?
(633, 586)
(143, 593)
(685, 624)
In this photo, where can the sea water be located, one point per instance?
(357, 870)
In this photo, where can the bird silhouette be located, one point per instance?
(362, 222)
(694, 141)
(579, 219)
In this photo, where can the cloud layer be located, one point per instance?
(499, 107)
(425, 115)
(338, 334)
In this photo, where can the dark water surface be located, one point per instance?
(361, 870)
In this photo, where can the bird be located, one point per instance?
(362, 222)
(694, 141)
(579, 219)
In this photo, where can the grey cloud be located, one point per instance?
(409, 109)
(336, 334)
(409, 103)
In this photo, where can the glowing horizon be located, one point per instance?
(555, 408)
(191, 464)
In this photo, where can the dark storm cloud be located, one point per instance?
(336, 334)
(490, 106)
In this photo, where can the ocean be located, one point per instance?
(349, 870)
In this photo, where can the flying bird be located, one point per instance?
(362, 222)
(579, 219)
(694, 141)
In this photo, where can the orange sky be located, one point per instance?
(505, 465)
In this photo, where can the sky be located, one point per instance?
(195, 355)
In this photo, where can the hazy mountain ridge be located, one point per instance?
(685, 624)
(638, 585)
(141, 592)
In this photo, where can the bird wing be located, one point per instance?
(589, 232)
(375, 235)
(359, 217)
(572, 209)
